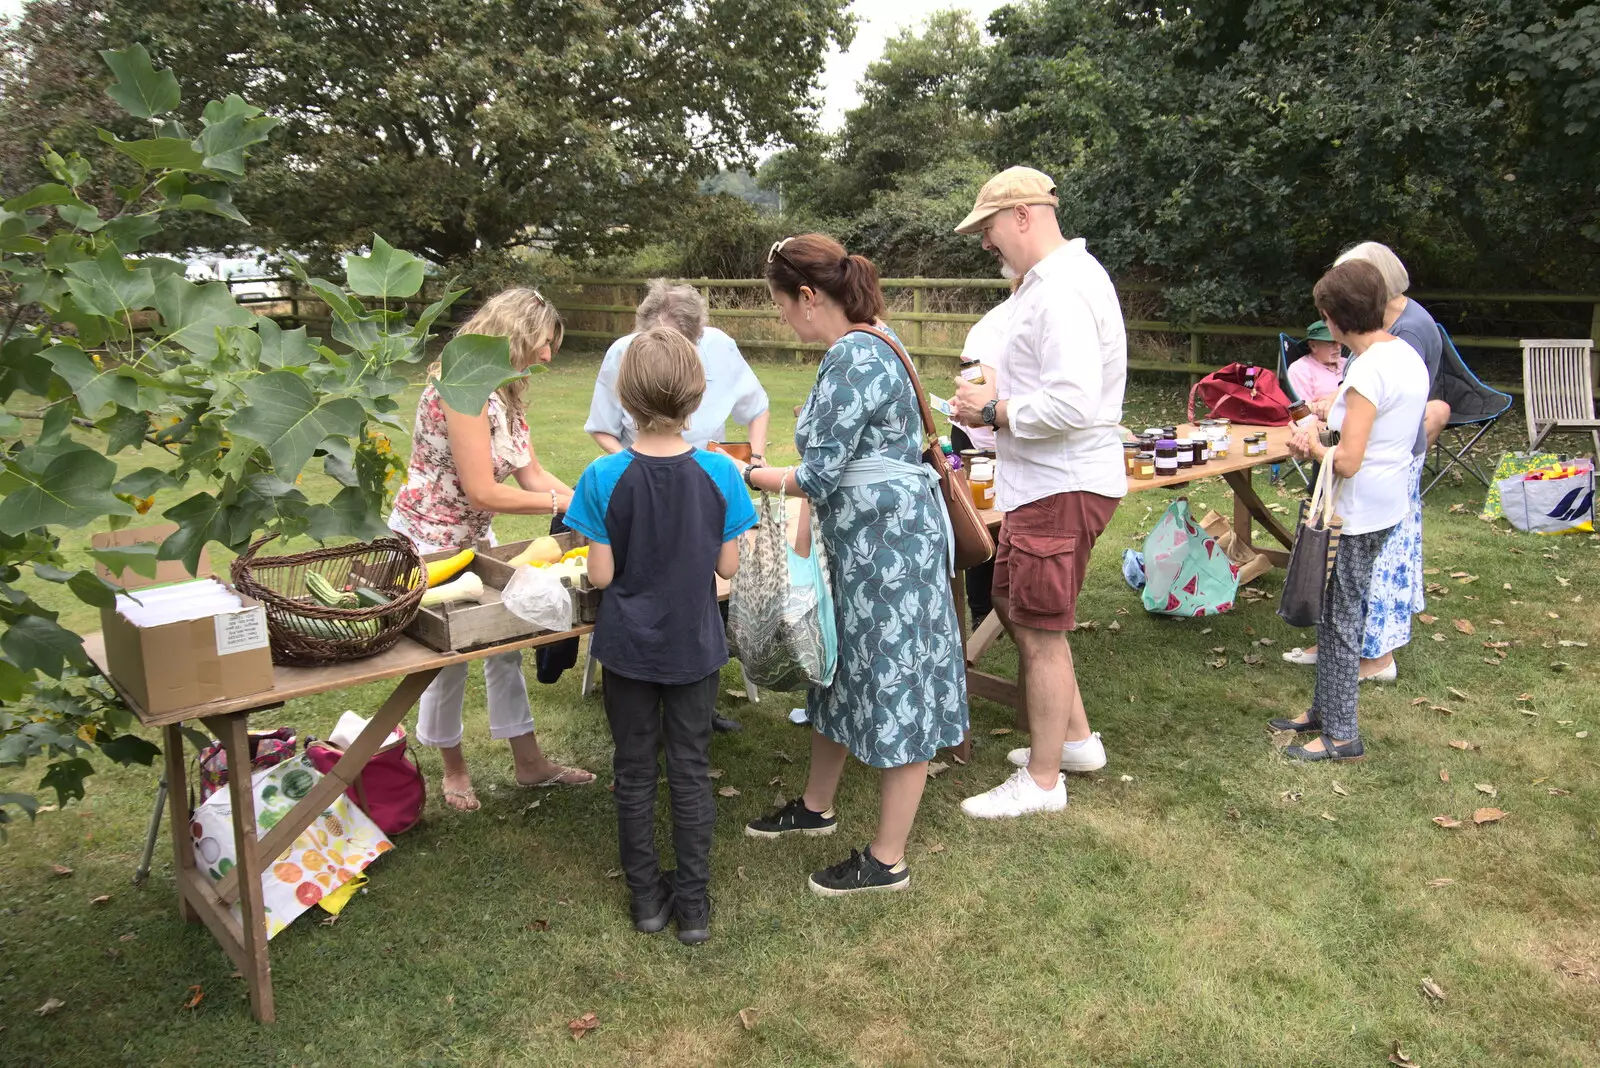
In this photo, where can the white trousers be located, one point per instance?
(439, 721)
(439, 712)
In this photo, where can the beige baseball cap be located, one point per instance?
(1012, 186)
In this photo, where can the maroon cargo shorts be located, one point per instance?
(1043, 556)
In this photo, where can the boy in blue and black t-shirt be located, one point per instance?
(664, 519)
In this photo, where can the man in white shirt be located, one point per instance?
(1055, 406)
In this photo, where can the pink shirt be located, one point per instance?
(1313, 380)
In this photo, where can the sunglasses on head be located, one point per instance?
(776, 252)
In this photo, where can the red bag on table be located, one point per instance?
(391, 788)
(1244, 393)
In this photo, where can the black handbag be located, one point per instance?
(1316, 540)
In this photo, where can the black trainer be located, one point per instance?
(860, 872)
(651, 914)
(791, 818)
(694, 921)
(723, 725)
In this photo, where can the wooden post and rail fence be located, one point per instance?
(576, 299)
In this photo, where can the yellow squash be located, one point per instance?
(441, 571)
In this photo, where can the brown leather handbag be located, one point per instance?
(974, 543)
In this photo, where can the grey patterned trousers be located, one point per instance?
(1340, 632)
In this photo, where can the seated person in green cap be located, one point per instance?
(1316, 377)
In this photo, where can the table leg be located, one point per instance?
(178, 817)
(337, 779)
(233, 729)
(958, 589)
(1248, 507)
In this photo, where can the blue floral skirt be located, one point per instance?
(1397, 585)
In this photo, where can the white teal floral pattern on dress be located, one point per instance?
(900, 691)
(1397, 591)
(432, 509)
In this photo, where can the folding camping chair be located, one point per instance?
(1289, 350)
(1558, 390)
(1474, 410)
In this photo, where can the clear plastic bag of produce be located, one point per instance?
(535, 595)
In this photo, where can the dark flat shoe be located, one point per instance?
(1349, 753)
(1280, 724)
(724, 725)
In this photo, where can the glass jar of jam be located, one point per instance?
(1185, 450)
(1166, 457)
(980, 480)
(1130, 452)
(1144, 465)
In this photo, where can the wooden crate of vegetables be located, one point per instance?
(461, 608)
(566, 554)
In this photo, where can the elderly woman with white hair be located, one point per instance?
(1397, 583)
(732, 391)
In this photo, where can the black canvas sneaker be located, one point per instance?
(859, 873)
(791, 819)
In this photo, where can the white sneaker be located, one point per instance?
(1090, 756)
(1017, 796)
(1299, 656)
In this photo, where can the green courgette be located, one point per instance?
(319, 587)
(334, 629)
(371, 598)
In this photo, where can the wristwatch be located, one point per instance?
(748, 471)
(988, 413)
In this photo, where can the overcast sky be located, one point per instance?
(879, 20)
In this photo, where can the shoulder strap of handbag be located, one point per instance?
(928, 424)
(1326, 494)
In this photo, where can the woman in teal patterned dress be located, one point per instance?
(900, 691)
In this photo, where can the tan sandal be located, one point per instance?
(563, 777)
(468, 799)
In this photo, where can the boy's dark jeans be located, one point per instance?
(643, 717)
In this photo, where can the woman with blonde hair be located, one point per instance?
(455, 486)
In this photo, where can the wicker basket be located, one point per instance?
(388, 565)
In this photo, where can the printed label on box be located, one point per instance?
(241, 631)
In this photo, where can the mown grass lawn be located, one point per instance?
(1200, 903)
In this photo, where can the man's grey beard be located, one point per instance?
(1008, 272)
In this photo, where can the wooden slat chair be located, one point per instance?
(1474, 410)
(1558, 389)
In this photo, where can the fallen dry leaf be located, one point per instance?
(1339, 789)
(128, 937)
(937, 847)
(1443, 710)
(329, 921)
(1283, 739)
(50, 1007)
(1330, 818)
(1457, 694)
(1468, 580)
(1219, 662)
(1562, 581)
(537, 925)
(1560, 665)
(1568, 643)
(1486, 788)
(743, 878)
(1457, 744)
(61, 871)
(737, 695)
(747, 1019)
(1432, 989)
(1115, 627)
(1552, 615)
(1444, 775)
(1234, 813)
(1430, 571)
(937, 768)
(196, 995)
(583, 1025)
(783, 756)
(1426, 618)
(1457, 509)
(1268, 641)
(1219, 648)
(1437, 884)
(1437, 636)
(1253, 660)
(1565, 722)
(1419, 701)
(1497, 622)
(715, 773)
(1290, 796)
(1487, 815)
(1205, 630)
(1556, 791)
(777, 780)
(1465, 626)
(614, 873)
(1400, 1057)
(1127, 778)
(1449, 823)
(103, 899)
(1581, 734)
(1458, 574)
(728, 791)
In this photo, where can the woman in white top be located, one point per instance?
(1376, 413)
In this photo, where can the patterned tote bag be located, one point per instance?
(781, 622)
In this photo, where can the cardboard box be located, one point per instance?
(192, 662)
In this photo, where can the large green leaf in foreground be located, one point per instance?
(471, 368)
(285, 417)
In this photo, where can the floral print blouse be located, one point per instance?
(432, 509)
